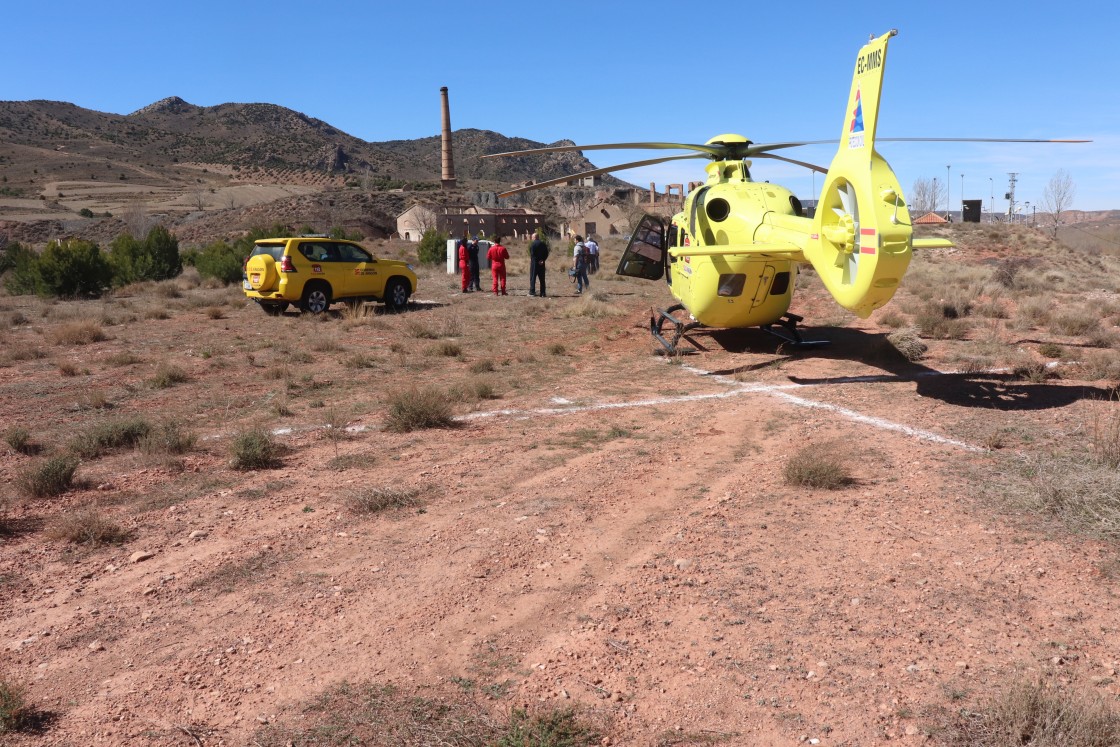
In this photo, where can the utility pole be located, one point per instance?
(991, 200)
(948, 202)
(1013, 176)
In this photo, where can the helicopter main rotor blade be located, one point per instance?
(813, 166)
(971, 140)
(594, 172)
(710, 149)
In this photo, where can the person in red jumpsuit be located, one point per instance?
(464, 263)
(498, 255)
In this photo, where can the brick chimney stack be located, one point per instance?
(447, 179)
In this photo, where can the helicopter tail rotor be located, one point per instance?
(860, 243)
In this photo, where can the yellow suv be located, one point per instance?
(316, 271)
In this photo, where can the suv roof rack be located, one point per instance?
(314, 236)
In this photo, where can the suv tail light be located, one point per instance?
(286, 264)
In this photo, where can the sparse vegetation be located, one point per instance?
(109, 435)
(418, 408)
(375, 500)
(19, 439)
(254, 449)
(815, 467)
(14, 709)
(374, 714)
(1034, 715)
(51, 477)
(87, 526)
(908, 343)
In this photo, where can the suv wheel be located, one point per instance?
(396, 295)
(316, 298)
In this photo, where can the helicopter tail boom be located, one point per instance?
(860, 238)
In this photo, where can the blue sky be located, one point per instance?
(618, 71)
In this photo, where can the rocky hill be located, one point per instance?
(184, 163)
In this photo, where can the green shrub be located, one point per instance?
(218, 260)
(254, 449)
(12, 255)
(113, 434)
(19, 439)
(154, 258)
(69, 269)
(13, 707)
(433, 247)
(49, 478)
(168, 437)
(85, 213)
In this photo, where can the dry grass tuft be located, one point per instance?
(375, 500)
(109, 435)
(381, 715)
(19, 439)
(1034, 715)
(596, 305)
(254, 449)
(167, 376)
(908, 343)
(89, 527)
(813, 467)
(76, 333)
(417, 409)
(14, 710)
(51, 477)
(168, 437)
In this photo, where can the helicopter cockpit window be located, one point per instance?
(731, 285)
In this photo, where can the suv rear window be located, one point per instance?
(275, 250)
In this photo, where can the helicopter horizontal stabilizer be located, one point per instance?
(783, 250)
(933, 244)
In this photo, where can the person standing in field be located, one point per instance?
(498, 255)
(579, 265)
(592, 255)
(464, 264)
(472, 260)
(538, 255)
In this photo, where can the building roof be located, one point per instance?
(930, 218)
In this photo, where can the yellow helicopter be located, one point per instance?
(730, 255)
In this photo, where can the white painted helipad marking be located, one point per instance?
(737, 389)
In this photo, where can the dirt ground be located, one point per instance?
(605, 527)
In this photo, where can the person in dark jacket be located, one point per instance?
(472, 260)
(538, 255)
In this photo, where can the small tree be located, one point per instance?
(154, 258)
(1058, 197)
(925, 196)
(433, 247)
(69, 269)
(218, 260)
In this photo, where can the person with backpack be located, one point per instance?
(538, 255)
(579, 265)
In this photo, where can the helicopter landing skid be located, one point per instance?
(789, 332)
(680, 330)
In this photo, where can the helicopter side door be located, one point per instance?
(645, 254)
